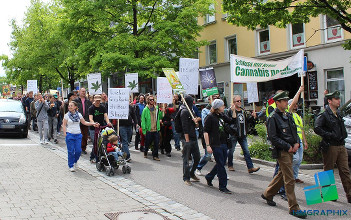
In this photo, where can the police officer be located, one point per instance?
(283, 135)
(330, 126)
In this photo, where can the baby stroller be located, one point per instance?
(106, 162)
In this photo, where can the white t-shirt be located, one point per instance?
(73, 127)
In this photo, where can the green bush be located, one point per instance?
(258, 147)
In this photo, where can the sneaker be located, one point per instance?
(225, 190)
(168, 154)
(209, 182)
(269, 202)
(195, 178)
(129, 160)
(75, 165)
(156, 158)
(231, 169)
(198, 172)
(72, 169)
(46, 142)
(298, 213)
(178, 148)
(254, 169)
(188, 183)
(56, 142)
(41, 142)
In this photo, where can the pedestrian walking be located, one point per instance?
(175, 105)
(33, 113)
(83, 108)
(150, 124)
(41, 106)
(125, 131)
(139, 136)
(330, 126)
(53, 113)
(166, 130)
(238, 133)
(217, 140)
(72, 132)
(282, 133)
(207, 156)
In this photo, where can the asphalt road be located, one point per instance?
(165, 178)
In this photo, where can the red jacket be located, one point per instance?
(110, 148)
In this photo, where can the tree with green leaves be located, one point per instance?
(40, 48)
(279, 13)
(117, 36)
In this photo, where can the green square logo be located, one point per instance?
(324, 190)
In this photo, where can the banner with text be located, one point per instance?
(164, 91)
(94, 83)
(244, 69)
(208, 82)
(118, 103)
(32, 85)
(189, 74)
(131, 82)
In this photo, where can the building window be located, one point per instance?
(333, 29)
(210, 18)
(298, 35)
(264, 45)
(230, 47)
(212, 53)
(335, 81)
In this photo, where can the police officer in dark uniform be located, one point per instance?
(282, 133)
(330, 126)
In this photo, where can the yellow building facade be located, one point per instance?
(321, 39)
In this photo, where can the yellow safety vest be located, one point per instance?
(299, 124)
(273, 105)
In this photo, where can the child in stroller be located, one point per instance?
(109, 161)
(114, 149)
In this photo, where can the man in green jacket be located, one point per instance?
(150, 125)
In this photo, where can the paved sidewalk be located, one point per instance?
(36, 184)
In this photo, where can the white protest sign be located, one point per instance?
(252, 92)
(189, 74)
(94, 83)
(131, 82)
(164, 90)
(118, 103)
(244, 69)
(32, 85)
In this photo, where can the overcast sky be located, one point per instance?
(10, 9)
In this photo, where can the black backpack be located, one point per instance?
(178, 123)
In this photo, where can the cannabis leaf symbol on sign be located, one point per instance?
(132, 85)
(96, 86)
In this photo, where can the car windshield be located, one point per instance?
(11, 107)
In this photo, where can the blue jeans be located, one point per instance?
(74, 148)
(190, 148)
(244, 147)
(126, 133)
(297, 159)
(204, 159)
(220, 155)
(176, 136)
(149, 138)
(116, 154)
